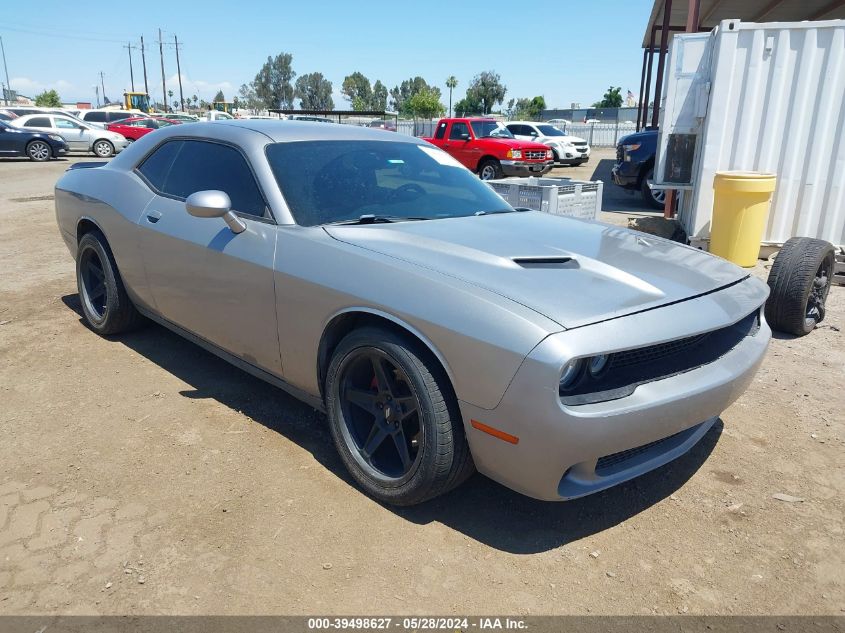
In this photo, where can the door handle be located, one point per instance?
(153, 217)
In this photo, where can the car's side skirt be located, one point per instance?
(299, 394)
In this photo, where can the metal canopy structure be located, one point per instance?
(668, 16)
(383, 114)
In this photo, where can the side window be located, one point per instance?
(203, 165)
(156, 166)
(531, 130)
(95, 117)
(65, 124)
(441, 131)
(39, 121)
(458, 130)
(118, 116)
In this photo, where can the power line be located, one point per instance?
(61, 35)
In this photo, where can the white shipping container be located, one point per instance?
(759, 97)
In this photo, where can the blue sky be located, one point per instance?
(568, 51)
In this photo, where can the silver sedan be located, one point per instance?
(440, 329)
(79, 136)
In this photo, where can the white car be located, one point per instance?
(567, 150)
(79, 136)
(103, 117)
(216, 115)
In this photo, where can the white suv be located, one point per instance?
(568, 150)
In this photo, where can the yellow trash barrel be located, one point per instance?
(740, 206)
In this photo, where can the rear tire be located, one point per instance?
(39, 151)
(800, 281)
(401, 436)
(106, 306)
(490, 169)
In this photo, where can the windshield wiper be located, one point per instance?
(369, 218)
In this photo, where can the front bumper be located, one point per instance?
(572, 155)
(625, 175)
(524, 168)
(566, 452)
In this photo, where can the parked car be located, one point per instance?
(23, 110)
(216, 115)
(7, 116)
(439, 328)
(101, 118)
(383, 124)
(38, 146)
(488, 148)
(308, 117)
(79, 136)
(177, 117)
(634, 169)
(136, 127)
(566, 149)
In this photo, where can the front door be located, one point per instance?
(73, 133)
(202, 276)
(461, 146)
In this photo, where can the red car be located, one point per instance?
(135, 127)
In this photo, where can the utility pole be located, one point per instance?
(144, 61)
(129, 48)
(103, 84)
(163, 86)
(5, 68)
(179, 73)
(97, 92)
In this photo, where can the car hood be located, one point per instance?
(571, 271)
(562, 139)
(513, 143)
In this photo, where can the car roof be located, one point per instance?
(285, 131)
(525, 122)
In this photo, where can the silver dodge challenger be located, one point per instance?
(440, 329)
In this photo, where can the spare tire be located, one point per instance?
(800, 282)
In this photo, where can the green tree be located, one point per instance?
(612, 99)
(195, 98)
(486, 90)
(314, 92)
(379, 98)
(451, 84)
(48, 99)
(536, 107)
(356, 87)
(425, 104)
(219, 96)
(248, 99)
(400, 94)
(273, 86)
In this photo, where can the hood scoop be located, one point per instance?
(546, 262)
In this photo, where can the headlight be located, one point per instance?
(598, 364)
(632, 148)
(548, 153)
(56, 137)
(570, 373)
(514, 153)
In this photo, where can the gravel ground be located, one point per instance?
(143, 475)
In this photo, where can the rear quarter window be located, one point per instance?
(156, 167)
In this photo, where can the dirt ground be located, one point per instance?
(143, 475)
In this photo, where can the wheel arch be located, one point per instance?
(86, 225)
(648, 164)
(351, 319)
(486, 157)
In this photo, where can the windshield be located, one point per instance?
(139, 102)
(490, 128)
(549, 130)
(336, 181)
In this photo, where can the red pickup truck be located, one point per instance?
(487, 147)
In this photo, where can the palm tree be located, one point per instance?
(451, 83)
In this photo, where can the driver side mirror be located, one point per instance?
(214, 204)
(464, 136)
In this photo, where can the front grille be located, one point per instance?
(631, 368)
(610, 464)
(620, 154)
(581, 145)
(535, 154)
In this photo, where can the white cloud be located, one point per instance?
(203, 89)
(29, 87)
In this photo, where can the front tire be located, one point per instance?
(490, 169)
(656, 198)
(394, 419)
(800, 281)
(103, 149)
(106, 306)
(39, 151)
